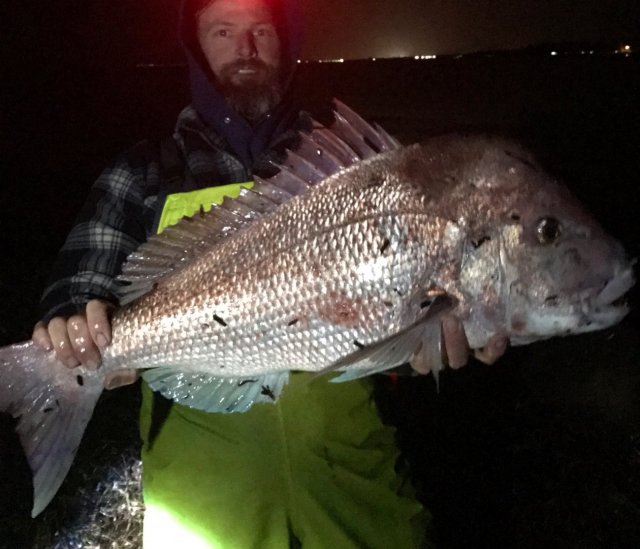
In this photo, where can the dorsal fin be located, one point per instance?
(319, 154)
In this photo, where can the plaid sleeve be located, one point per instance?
(114, 220)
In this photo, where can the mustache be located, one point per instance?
(234, 66)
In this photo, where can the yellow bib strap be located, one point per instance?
(178, 205)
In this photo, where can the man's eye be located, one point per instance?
(263, 31)
(222, 33)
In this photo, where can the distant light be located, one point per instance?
(554, 53)
(298, 61)
(373, 59)
(626, 49)
(423, 57)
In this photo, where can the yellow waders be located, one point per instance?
(317, 465)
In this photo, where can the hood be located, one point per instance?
(247, 141)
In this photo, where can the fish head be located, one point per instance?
(562, 273)
(535, 262)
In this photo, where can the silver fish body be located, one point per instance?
(349, 261)
(356, 258)
(344, 261)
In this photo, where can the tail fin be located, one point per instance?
(53, 405)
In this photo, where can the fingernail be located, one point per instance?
(44, 344)
(113, 381)
(500, 345)
(91, 364)
(101, 340)
(71, 362)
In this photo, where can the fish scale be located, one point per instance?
(231, 345)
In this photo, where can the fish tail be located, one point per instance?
(53, 405)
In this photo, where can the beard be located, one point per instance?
(251, 95)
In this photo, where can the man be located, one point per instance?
(315, 468)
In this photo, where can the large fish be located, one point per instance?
(344, 261)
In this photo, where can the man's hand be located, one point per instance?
(456, 346)
(81, 338)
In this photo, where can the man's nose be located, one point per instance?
(246, 45)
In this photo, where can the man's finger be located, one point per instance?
(419, 361)
(61, 344)
(493, 350)
(98, 312)
(83, 346)
(120, 378)
(41, 337)
(455, 342)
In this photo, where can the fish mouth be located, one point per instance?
(590, 310)
(616, 288)
(609, 305)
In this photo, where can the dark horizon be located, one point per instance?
(371, 28)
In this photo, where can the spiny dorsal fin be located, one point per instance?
(320, 154)
(361, 136)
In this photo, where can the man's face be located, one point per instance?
(241, 45)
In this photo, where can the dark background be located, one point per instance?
(540, 450)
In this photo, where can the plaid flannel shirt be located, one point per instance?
(123, 203)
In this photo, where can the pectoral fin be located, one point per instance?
(398, 349)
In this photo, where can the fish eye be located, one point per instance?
(547, 230)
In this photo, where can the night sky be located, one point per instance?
(366, 28)
(143, 31)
